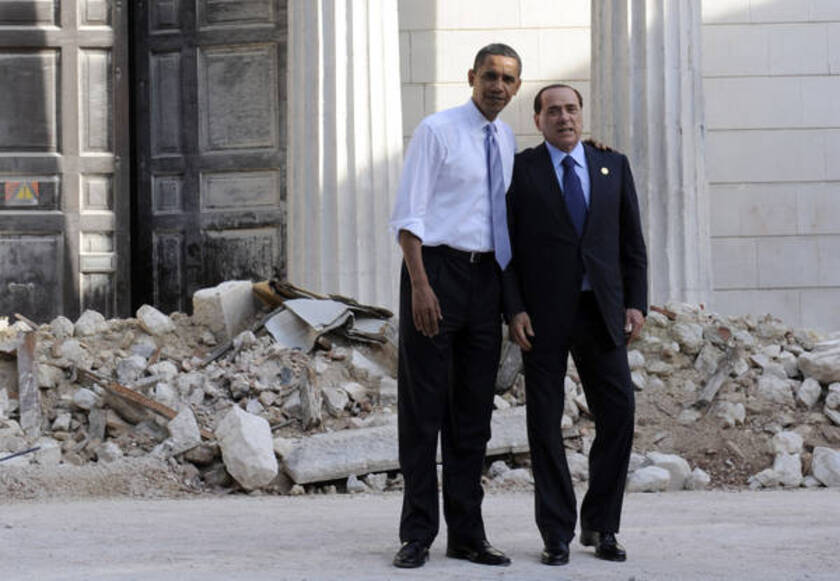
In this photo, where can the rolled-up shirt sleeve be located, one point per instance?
(421, 167)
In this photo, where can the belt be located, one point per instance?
(471, 257)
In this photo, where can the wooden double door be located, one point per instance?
(142, 151)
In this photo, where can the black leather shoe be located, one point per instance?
(555, 554)
(606, 545)
(481, 552)
(411, 555)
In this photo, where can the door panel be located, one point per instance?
(210, 87)
(64, 197)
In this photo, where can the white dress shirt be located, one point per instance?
(443, 195)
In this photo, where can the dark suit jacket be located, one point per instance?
(549, 257)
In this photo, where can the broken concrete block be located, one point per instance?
(153, 321)
(247, 448)
(165, 394)
(184, 432)
(677, 467)
(225, 309)
(648, 479)
(356, 391)
(578, 466)
(336, 455)
(825, 466)
(788, 468)
(165, 370)
(698, 480)
(787, 442)
(144, 346)
(809, 392)
(354, 485)
(49, 376)
(283, 446)
(635, 359)
(50, 452)
(108, 452)
(388, 391)
(71, 350)
(509, 366)
(89, 323)
(267, 398)
(130, 369)
(61, 327)
(730, 413)
(500, 403)
(253, 406)
(823, 363)
(376, 482)
(776, 389)
(85, 399)
(97, 423)
(363, 368)
(62, 422)
(336, 400)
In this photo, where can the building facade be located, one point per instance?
(150, 148)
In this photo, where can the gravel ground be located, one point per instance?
(744, 535)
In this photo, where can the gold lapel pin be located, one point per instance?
(605, 171)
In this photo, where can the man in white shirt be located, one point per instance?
(451, 225)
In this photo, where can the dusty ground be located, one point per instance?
(765, 535)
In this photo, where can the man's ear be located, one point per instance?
(537, 121)
(471, 77)
(518, 84)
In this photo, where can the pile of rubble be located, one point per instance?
(302, 398)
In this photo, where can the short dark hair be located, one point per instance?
(538, 98)
(498, 49)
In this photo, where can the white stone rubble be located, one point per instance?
(247, 448)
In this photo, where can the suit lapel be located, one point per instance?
(592, 159)
(546, 178)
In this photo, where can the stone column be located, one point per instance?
(344, 146)
(647, 101)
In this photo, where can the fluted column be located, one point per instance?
(345, 146)
(647, 100)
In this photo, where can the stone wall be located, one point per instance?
(438, 41)
(772, 76)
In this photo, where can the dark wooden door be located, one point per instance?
(64, 146)
(210, 145)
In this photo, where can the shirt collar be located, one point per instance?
(476, 117)
(578, 154)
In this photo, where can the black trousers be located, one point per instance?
(605, 376)
(445, 385)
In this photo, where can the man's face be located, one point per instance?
(494, 84)
(561, 118)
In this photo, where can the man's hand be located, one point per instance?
(425, 309)
(598, 145)
(633, 321)
(521, 330)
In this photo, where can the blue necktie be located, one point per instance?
(573, 193)
(498, 210)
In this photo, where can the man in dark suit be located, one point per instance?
(577, 283)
